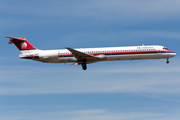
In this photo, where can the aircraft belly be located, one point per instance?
(54, 60)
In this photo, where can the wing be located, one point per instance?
(82, 57)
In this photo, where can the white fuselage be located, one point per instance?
(103, 54)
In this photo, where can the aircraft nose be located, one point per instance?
(173, 54)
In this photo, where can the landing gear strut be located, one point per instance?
(167, 61)
(84, 67)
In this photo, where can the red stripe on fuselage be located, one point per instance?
(119, 53)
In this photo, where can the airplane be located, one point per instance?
(83, 56)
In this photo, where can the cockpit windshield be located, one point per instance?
(165, 48)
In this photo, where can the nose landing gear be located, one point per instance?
(167, 61)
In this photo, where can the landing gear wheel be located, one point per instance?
(167, 61)
(84, 67)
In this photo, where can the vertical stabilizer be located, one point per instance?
(21, 43)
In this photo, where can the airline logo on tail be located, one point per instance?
(23, 45)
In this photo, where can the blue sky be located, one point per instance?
(123, 90)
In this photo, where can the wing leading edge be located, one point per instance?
(82, 57)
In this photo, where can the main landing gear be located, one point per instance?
(167, 61)
(84, 67)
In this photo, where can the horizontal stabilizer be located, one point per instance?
(15, 38)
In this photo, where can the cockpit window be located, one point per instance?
(165, 48)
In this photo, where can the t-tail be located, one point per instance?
(21, 43)
(28, 51)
